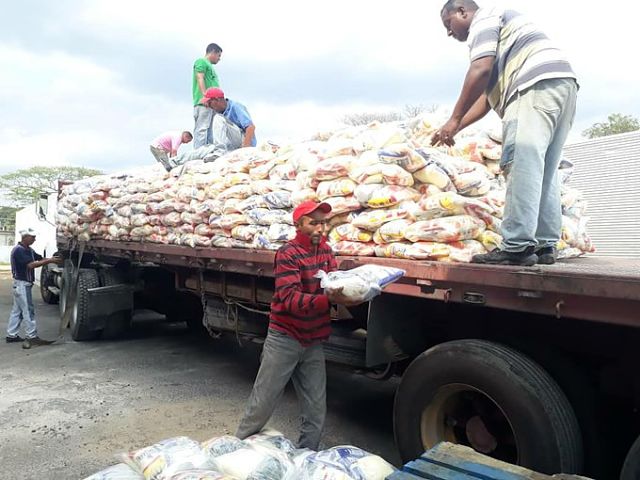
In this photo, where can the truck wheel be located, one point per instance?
(631, 467)
(491, 398)
(46, 281)
(81, 328)
(119, 322)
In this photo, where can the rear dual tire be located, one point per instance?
(492, 398)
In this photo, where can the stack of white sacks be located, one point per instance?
(392, 195)
(267, 455)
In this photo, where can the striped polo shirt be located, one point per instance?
(523, 54)
(299, 307)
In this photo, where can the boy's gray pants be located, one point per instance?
(284, 358)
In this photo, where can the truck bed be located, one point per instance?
(589, 288)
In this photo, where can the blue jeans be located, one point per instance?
(22, 310)
(284, 358)
(535, 126)
(202, 132)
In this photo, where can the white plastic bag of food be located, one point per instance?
(341, 205)
(371, 220)
(391, 195)
(341, 463)
(279, 199)
(359, 284)
(392, 231)
(280, 232)
(450, 203)
(446, 229)
(216, 446)
(349, 232)
(121, 471)
(163, 459)
(251, 463)
(402, 155)
(464, 250)
(273, 439)
(340, 187)
(200, 474)
(332, 168)
(346, 247)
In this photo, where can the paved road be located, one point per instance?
(66, 410)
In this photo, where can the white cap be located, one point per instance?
(27, 231)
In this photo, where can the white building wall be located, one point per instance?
(607, 172)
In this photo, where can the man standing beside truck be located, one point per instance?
(24, 260)
(204, 76)
(299, 323)
(518, 72)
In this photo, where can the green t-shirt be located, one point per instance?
(202, 65)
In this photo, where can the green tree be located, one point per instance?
(617, 123)
(8, 218)
(25, 186)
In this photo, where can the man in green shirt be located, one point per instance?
(204, 76)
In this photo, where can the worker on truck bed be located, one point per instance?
(298, 325)
(233, 127)
(204, 76)
(518, 72)
(165, 147)
(23, 263)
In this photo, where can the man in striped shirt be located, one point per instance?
(518, 72)
(298, 325)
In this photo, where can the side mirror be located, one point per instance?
(42, 206)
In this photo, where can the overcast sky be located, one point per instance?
(91, 83)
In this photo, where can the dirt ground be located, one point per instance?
(68, 409)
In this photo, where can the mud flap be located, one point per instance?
(106, 301)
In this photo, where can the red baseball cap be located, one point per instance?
(213, 92)
(309, 206)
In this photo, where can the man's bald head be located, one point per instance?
(452, 5)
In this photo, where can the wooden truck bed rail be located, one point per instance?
(598, 289)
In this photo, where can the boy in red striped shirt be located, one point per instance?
(298, 324)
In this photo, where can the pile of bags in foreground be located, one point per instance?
(392, 195)
(267, 455)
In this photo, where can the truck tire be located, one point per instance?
(46, 280)
(491, 398)
(80, 324)
(120, 322)
(631, 467)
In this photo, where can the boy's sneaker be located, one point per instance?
(15, 339)
(35, 342)
(547, 255)
(525, 258)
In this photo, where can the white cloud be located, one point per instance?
(60, 97)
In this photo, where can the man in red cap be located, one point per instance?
(232, 127)
(298, 325)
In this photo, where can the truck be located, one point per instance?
(534, 366)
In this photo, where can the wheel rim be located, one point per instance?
(465, 415)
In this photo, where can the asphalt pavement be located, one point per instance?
(67, 410)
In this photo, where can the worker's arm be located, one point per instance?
(249, 132)
(200, 80)
(44, 261)
(478, 111)
(475, 85)
(173, 153)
